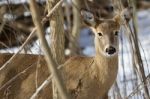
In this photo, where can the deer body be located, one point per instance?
(85, 77)
(90, 78)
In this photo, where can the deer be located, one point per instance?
(84, 77)
(92, 77)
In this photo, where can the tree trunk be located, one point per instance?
(57, 32)
(56, 38)
(76, 28)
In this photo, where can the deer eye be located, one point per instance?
(116, 33)
(99, 34)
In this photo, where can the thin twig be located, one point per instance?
(52, 10)
(2, 26)
(138, 88)
(3, 44)
(15, 77)
(4, 67)
(43, 85)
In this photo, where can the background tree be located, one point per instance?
(56, 37)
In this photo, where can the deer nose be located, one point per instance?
(110, 50)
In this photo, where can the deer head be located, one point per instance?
(106, 31)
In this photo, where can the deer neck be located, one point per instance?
(104, 62)
(105, 67)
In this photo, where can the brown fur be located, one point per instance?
(25, 84)
(92, 77)
(80, 74)
(86, 78)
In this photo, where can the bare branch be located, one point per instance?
(43, 85)
(4, 67)
(48, 55)
(52, 10)
(15, 77)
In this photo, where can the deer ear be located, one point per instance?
(124, 16)
(88, 18)
(127, 14)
